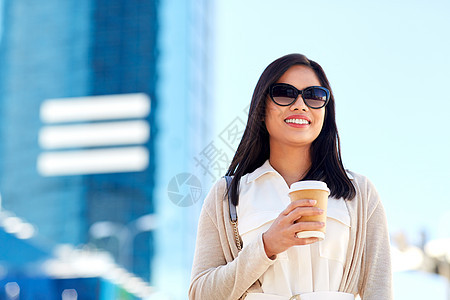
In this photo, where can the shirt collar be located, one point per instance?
(267, 168)
(350, 176)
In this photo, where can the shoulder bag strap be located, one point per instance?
(233, 215)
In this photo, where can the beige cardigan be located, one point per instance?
(219, 271)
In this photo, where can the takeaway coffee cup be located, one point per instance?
(316, 190)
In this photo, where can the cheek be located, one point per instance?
(269, 112)
(320, 118)
(273, 111)
(271, 117)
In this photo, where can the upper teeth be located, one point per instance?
(297, 121)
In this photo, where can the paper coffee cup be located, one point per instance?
(316, 190)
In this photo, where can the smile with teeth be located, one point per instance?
(297, 121)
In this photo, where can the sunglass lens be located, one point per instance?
(315, 97)
(283, 95)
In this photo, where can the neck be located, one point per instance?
(291, 162)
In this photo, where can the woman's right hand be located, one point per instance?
(282, 233)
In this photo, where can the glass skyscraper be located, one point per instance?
(59, 50)
(74, 77)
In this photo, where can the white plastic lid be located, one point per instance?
(310, 234)
(309, 185)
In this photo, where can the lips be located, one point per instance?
(298, 119)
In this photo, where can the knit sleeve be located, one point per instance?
(212, 276)
(377, 272)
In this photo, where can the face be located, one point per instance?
(296, 124)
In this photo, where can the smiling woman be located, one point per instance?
(291, 136)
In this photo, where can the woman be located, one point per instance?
(291, 135)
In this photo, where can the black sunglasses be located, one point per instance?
(285, 94)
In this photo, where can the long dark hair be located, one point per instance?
(253, 150)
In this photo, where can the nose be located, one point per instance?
(299, 104)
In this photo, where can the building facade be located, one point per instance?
(74, 77)
(61, 50)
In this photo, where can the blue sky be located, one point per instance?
(388, 63)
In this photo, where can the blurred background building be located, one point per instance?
(95, 96)
(71, 49)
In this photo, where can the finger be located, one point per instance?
(298, 212)
(298, 203)
(307, 226)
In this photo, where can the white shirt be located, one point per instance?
(263, 195)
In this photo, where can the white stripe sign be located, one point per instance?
(96, 134)
(95, 108)
(100, 123)
(96, 161)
